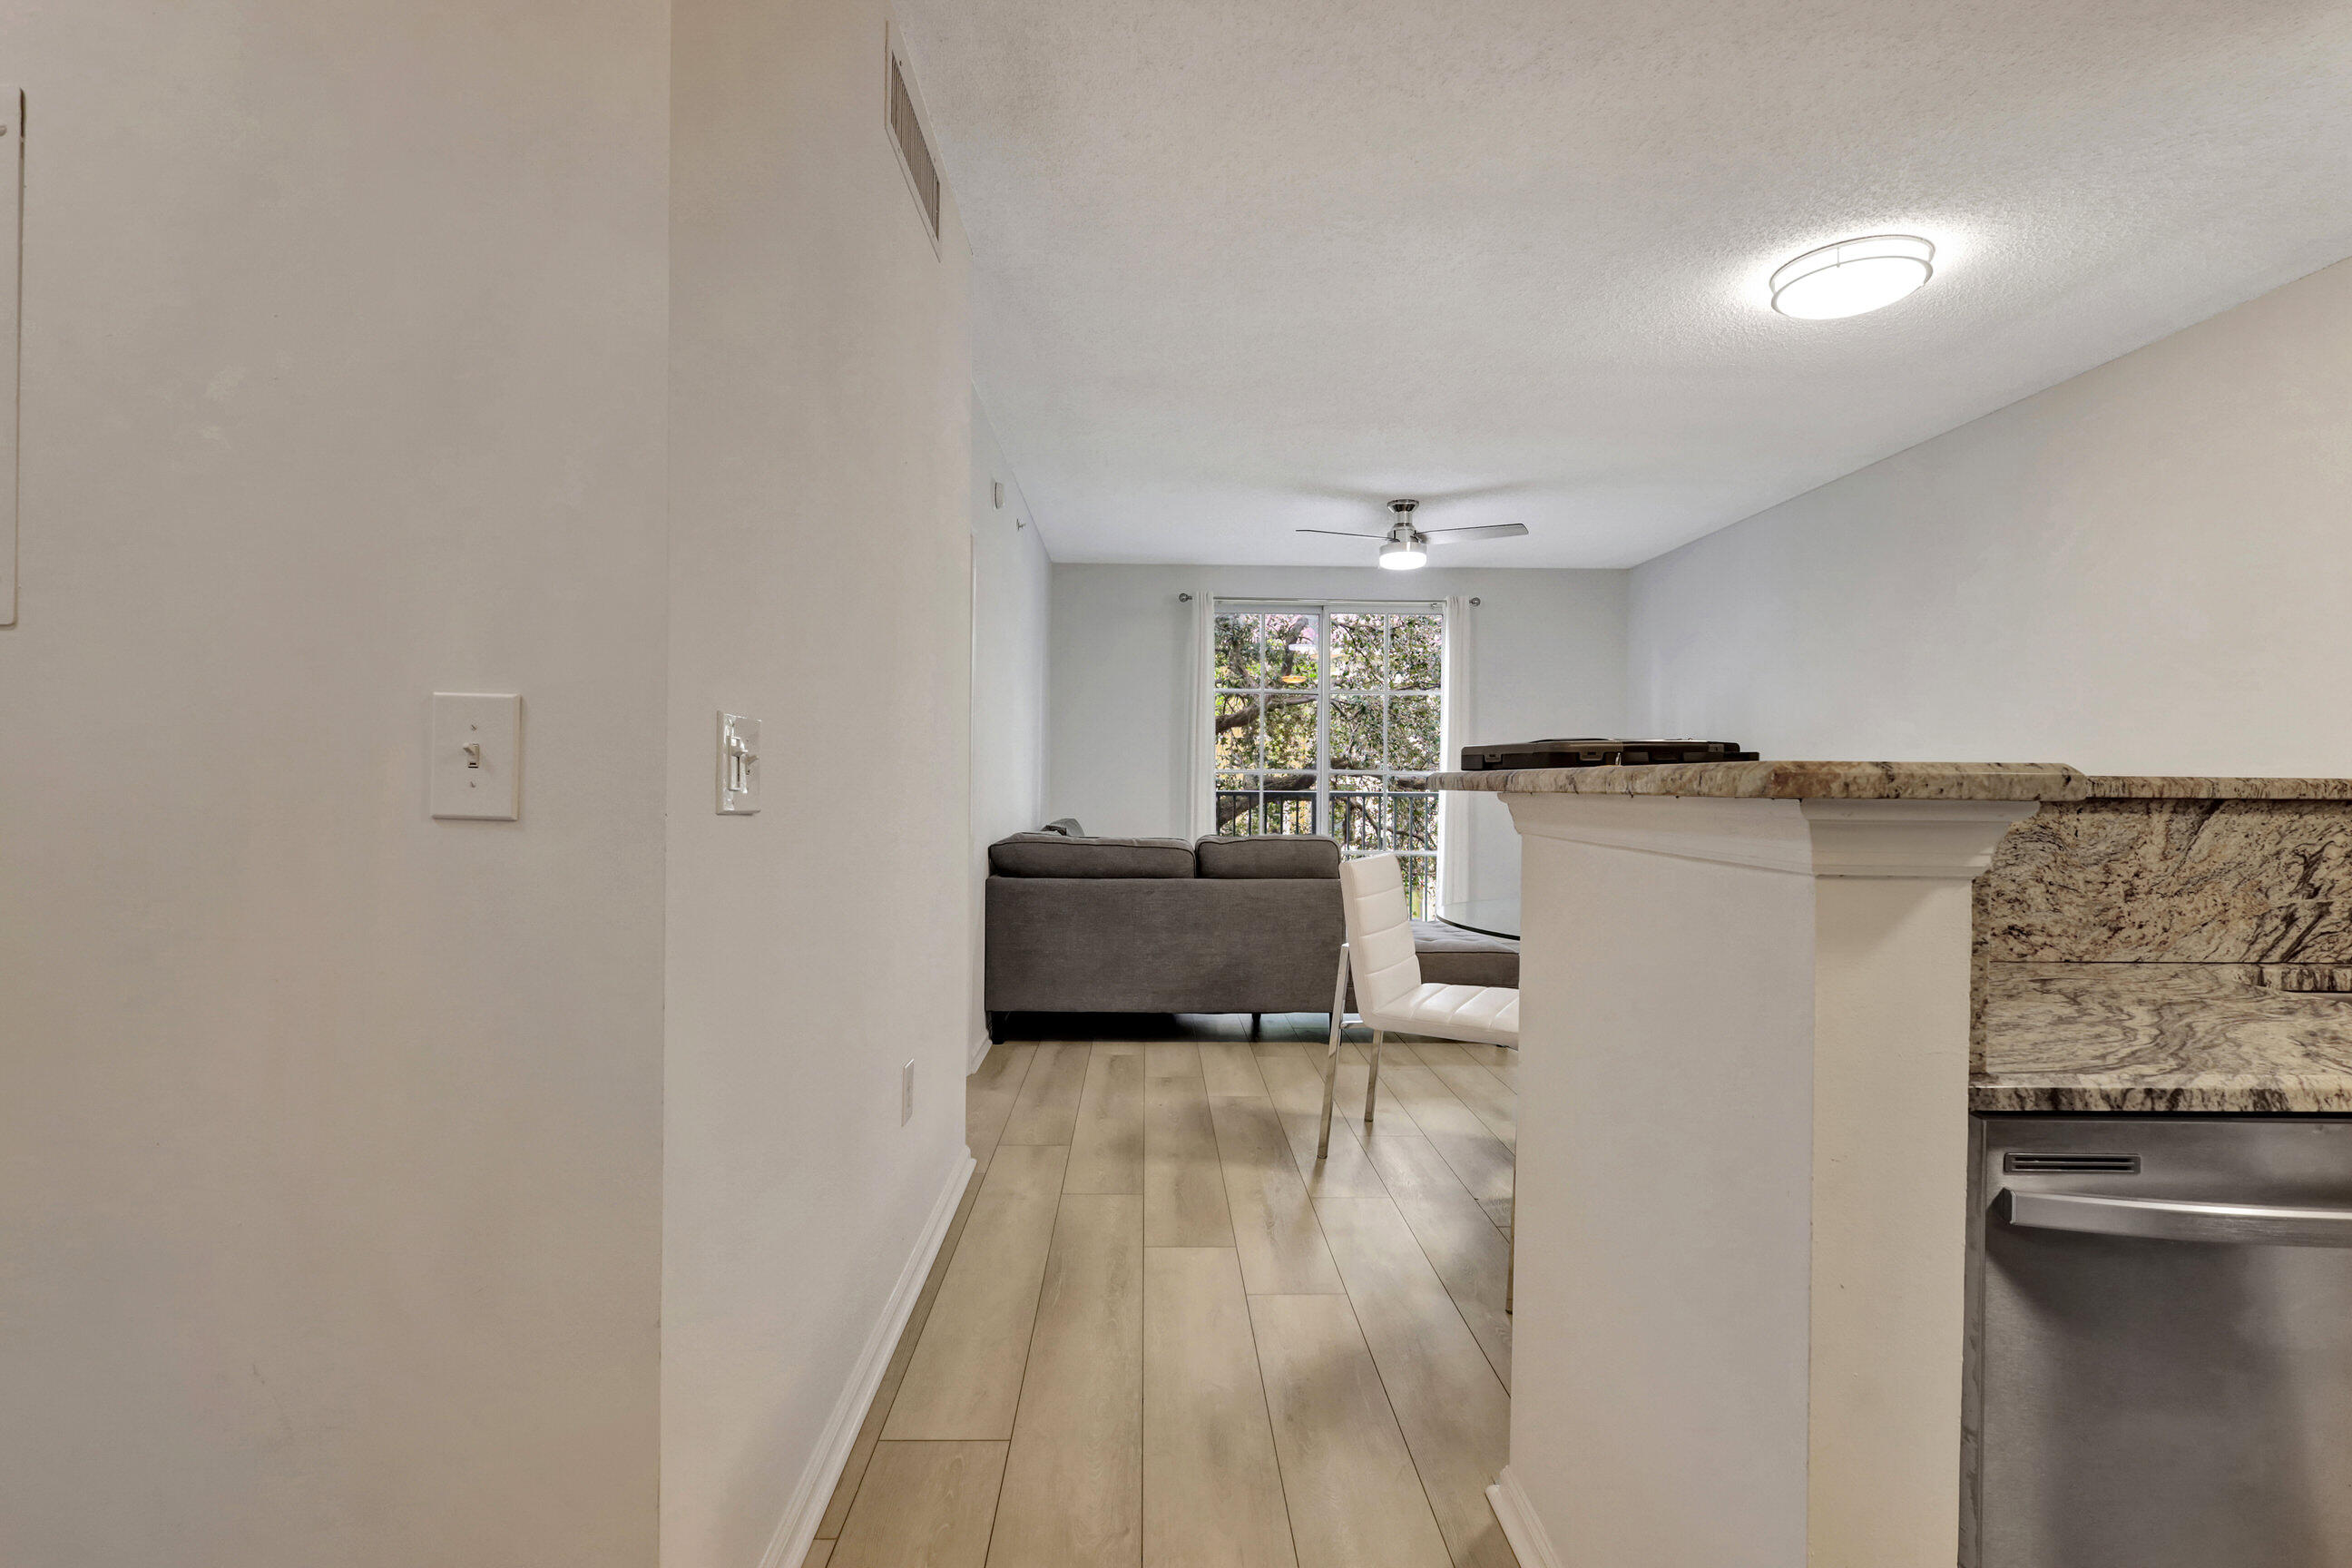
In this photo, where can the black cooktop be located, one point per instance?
(1595, 751)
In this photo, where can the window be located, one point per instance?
(1329, 719)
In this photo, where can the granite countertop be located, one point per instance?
(2164, 1036)
(2167, 786)
(2169, 944)
(1797, 780)
(1791, 781)
(2143, 943)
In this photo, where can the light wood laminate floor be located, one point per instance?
(1159, 1335)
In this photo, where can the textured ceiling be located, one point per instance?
(1242, 266)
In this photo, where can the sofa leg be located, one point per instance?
(1253, 1018)
(996, 1028)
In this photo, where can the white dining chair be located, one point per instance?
(1391, 995)
(1389, 992)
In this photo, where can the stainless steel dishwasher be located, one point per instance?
(2160, 1366)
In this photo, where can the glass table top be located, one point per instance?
(1487, 917)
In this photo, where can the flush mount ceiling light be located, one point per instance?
(1853, 276)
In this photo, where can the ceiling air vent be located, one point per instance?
(914, 150)
(2112, 1165)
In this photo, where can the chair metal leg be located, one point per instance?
(1373, 1083)
(1331, 1057)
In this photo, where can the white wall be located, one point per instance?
(1549, 661)
(2137, 571)
(819, 581)
(329, 1134)
(1011, 592)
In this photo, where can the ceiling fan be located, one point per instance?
(1404, 547)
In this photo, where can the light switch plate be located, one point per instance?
(739, 765)
(476, 762)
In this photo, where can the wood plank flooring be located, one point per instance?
(1161, 1334)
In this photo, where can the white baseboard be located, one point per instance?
(1520, 1526)
(974, 1052)
(795, 1532)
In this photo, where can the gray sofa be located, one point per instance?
(1157, 925)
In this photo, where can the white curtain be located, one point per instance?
(1201, 806)
(1455, 822)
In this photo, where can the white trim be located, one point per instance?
(1909, 838)
(1200, 795)
(795, 1532)
(975, 1053)
(1768, 834)
(1520, 1526)
(1457, 718)
(1897, 838)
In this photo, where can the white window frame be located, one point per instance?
(1324, 609)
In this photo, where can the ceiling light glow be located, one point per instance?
(1853, 276)
(1402, 554)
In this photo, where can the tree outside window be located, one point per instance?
(1329, 721)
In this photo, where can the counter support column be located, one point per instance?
(1742, 1179)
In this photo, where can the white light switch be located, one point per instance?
(476, 756)
(739, 765)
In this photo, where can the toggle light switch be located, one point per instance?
(476, 762)
(739, 765)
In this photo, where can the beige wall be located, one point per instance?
(820, 580)
(1011, 596)
(1549, 656)
(2134, 571)
(329, 1135)
(363, 358)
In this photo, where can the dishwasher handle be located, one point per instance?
(2171, 1219)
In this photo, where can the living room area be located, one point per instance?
(1239, 1283)
(757, 805)
(1234, 1284)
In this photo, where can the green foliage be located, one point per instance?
(1356, 738)
(1413, 733)
(1416, 652)
(1290, 652)
(1237, 650)
(1237, 731)
(1290, 730)
(1382, 737)
(1358, 652)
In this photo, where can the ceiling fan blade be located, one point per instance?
(1491, 530)
(1335, 533)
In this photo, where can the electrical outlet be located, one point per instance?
(906, 1094)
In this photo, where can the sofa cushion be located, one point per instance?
(1288, 857)
(1052, 854)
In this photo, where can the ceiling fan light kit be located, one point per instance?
(1404, 547)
